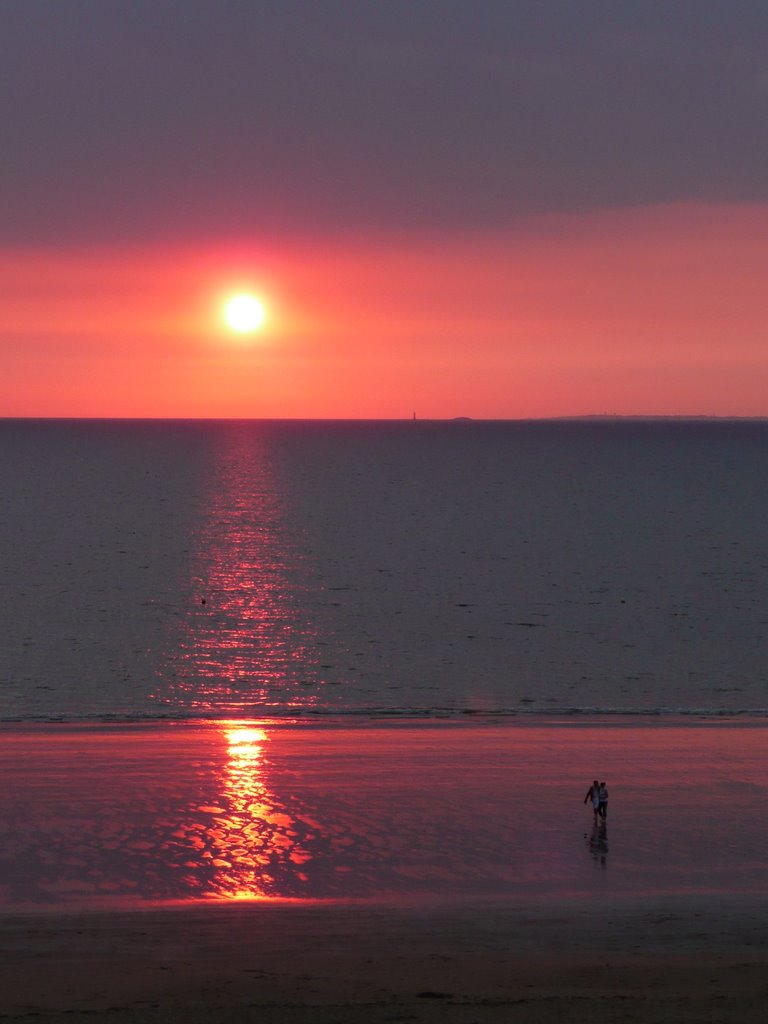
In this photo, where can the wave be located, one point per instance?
(351, 717)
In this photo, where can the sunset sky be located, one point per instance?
(492, 208)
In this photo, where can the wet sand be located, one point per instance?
(127, 816)
(254, 872)
(299, 963)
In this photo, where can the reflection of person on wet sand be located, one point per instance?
(598, 842)
(593, 794)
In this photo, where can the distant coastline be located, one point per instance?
(652, 416)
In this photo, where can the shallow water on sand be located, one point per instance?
(99, 816)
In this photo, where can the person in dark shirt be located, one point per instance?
(593, 794)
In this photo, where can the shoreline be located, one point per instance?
(430, 719)
(334, 876)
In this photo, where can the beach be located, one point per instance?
(247, 871)
(679, 961)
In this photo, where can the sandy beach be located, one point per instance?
(682, 961)
(227, 871)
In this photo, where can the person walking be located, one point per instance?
(603, 801)
(593, 794)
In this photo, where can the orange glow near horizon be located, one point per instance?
(660, 310)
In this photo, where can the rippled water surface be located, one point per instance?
(231, 810)
(225, 569)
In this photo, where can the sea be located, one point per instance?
(188, 570)
(249, 660)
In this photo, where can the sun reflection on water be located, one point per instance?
(247, 644)
(252, 842)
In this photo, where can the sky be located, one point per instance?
(490, 208)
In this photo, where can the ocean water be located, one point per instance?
(319, 570)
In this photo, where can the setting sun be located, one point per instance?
(244, 313)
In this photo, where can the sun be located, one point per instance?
(244, 313)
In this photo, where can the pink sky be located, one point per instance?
(654, 310)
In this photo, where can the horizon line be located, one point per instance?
(392, 419)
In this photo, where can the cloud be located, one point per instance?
(190, 119)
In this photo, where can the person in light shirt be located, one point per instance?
(593, 794)
(603, 801)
